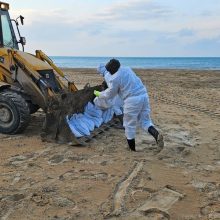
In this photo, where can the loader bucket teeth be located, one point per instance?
(85, 140)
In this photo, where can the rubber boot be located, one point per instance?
(131, 144)
(120, 125)
(157, 136)
(120, 118)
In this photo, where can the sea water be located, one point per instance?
(200, 63)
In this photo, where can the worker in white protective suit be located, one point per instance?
(116, 103)
(125, 83)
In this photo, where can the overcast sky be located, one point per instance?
(121, 27)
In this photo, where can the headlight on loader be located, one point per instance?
(4, 6)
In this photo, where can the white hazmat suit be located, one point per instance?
(131, 90)
(116, 102)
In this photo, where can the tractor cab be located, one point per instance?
(7, 34)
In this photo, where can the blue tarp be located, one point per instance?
(82, 124)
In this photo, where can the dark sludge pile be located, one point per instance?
(55, 128)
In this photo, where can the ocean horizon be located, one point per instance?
(194, 63)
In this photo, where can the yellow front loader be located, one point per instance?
(29, 82)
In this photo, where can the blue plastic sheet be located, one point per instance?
(108, 115)
(82, 124)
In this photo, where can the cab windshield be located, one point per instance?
(7, 37)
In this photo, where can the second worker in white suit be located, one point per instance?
(125, 83)
(116, 103)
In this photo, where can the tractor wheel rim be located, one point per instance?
(5, 114)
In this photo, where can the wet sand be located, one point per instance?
(104, 180)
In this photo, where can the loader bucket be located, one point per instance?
(55, 127)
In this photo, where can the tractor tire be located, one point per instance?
(14, 113)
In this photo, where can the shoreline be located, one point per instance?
(185, 63)
(146, 69)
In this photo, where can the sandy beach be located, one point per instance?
(40, 180)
